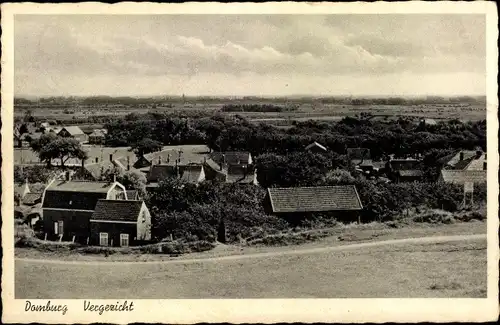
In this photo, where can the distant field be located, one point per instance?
(305, 111)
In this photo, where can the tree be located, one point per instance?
(23, 129)
(55, 147)
(134, 180)
(28, 116)
(146, 146)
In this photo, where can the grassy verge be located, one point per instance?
(171, 248)
(341, 235)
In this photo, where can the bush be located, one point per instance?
(435, 216)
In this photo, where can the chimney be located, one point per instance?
(83, 165)
(110, 157)
(461, 155)
(68, 176)
(96, 160)
(478, 154)
(128, 162)
(159, 160)
(484, 166)
(168, 157)
(114, 177)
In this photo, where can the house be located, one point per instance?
(231, 167)
(193, 174)
(120, 223)
(465, 160)
(97, 137)
(25, 139)
(316, 147)
(33, 198)
(429, 121)
(97, 170)
(463, 176)
(182, 155)
(241, 175)
(73, 132)
(360, 157)
(238, 158)
(68, 205)
(411, 175)
(404, 170)
(293, 203)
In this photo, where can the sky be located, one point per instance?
(259, 55)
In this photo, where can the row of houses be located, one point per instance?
(459, 167)
(32, 132)
(97, 212)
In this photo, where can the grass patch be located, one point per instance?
(172, 248)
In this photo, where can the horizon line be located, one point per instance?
(257, 96)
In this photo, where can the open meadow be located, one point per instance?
(423, 261)
(438, 270)
(304, 111)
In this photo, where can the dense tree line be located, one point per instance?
(400, 137)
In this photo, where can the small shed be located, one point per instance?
(120, 223)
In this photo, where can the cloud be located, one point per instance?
(186, 47)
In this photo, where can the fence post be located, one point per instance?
(45, 237)
(60, 238)
(73, 240)
(111, 242)
(88, 241)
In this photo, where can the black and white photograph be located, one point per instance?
(167, 155)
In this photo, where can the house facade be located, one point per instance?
(120, 223)
(68, 205)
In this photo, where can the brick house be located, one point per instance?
(295, 203)
(68, 205)
(120, 223)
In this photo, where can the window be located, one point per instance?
(103, 239)
(124, 240)
(61, 227)
(58, 227)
